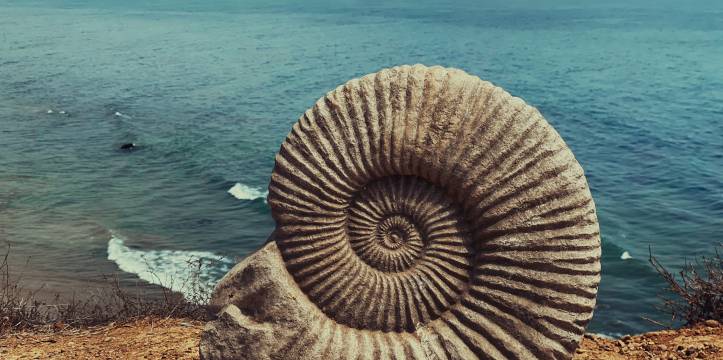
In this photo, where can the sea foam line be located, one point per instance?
(245, 192)
(191, 273)
(121, 115)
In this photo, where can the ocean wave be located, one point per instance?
(121, 115)
(245, 192)
(609, 336)
(191, 273)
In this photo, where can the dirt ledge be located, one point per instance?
(704, 341)
(178, 339)
(143, 339)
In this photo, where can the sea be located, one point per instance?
(208, 90)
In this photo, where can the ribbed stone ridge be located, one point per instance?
(425, 213)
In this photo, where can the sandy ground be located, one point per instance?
(704, 341)
(145, 339)
(178, 339)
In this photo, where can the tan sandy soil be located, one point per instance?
(178, 339)
(144, 339)
(704, 341)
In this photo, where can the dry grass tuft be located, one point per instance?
(20, 308)
(696, 295)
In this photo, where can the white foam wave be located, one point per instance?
(192, 273)
(245, 192)
(61, 112)
(121, 115)
(625, 256)
(609, 336)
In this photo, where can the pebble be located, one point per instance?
(711, 323)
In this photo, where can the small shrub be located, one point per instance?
(697, 292)
(108, 303)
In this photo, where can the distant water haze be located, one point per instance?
(207, 91)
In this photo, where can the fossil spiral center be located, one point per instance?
(397, 256)
(396, 231)
(394, 222)
(388, 237)
(393, 239)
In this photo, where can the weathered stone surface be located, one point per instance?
(233, 335)
(261, 308)
(421, 213)
(263, 312)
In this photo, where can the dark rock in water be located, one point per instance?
(128, 146)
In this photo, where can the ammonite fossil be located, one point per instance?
(421, 205)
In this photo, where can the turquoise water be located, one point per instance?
(209, 91)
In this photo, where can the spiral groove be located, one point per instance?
(425, 198)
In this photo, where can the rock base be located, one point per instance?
(261, 311)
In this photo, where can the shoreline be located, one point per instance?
(177, 338)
